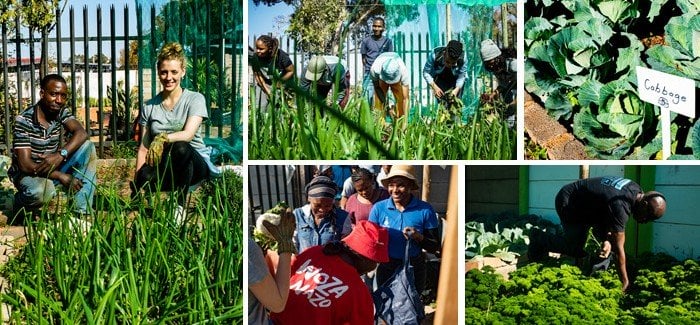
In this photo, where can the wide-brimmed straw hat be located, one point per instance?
(369, 240)
(406, 171)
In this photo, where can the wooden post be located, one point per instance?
(504, 25)
(584, 172)
(446, 312)
(425, 195)
(448, 22)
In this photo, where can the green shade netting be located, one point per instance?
(471, 22)
(442, 2)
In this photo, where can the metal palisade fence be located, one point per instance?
(414, 49)
(111, 70)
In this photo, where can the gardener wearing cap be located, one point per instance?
(405, 217)
(503, 65)
(370, 48)
(603, 204)
(446, 69)
(320, 221)
(322, 74)
(389, 72)
(326, 287)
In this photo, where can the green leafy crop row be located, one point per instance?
(556, 293)
(306, 128)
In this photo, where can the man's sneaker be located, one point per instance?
(179, 215)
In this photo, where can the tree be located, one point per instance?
(133, 54)
(319, 26)
(40, 15)
(315, 25)
(79, 58)
(97, 57)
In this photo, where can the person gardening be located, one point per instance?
(40, 163)
(267, 60)
(603, 204)
(504, 67)
(446, 70)
(320, 75)
(388, 72)
(326, 288)
(370, 48)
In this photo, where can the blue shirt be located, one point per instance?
(418, 214)
(334, 226)
(371, 48)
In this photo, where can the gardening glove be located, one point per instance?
(283, 232)
(155, 150)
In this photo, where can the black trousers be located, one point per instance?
(180, 167)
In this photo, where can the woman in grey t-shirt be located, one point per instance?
(172, 153)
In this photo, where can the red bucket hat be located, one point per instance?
(369, 240)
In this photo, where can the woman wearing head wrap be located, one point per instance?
(326, 288)
(389, 72)
(320, 221)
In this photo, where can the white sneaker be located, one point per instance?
(79, 225)
(179, 214)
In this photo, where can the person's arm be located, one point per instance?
(187, 134)
(273, 292)
(261, 83)
(618, 239)
(426, 240)
(143, 150)
(404, 99)
(428, 75)
(461, 77)
(51, 161)
(29, 167)
(288, 72)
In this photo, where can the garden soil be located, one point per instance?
(550, 134)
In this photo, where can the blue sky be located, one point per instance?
(264, 19)
(91, 6)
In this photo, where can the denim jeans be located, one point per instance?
(368, 89)
(82, 164)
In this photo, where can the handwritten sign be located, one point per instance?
(667, 91)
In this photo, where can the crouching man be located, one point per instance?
(39, 162)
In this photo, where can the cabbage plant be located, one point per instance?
(581, 63)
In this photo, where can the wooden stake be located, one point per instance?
(446, 312)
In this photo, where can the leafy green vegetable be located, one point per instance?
(584, 69)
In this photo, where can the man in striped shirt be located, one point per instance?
(39, 162)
